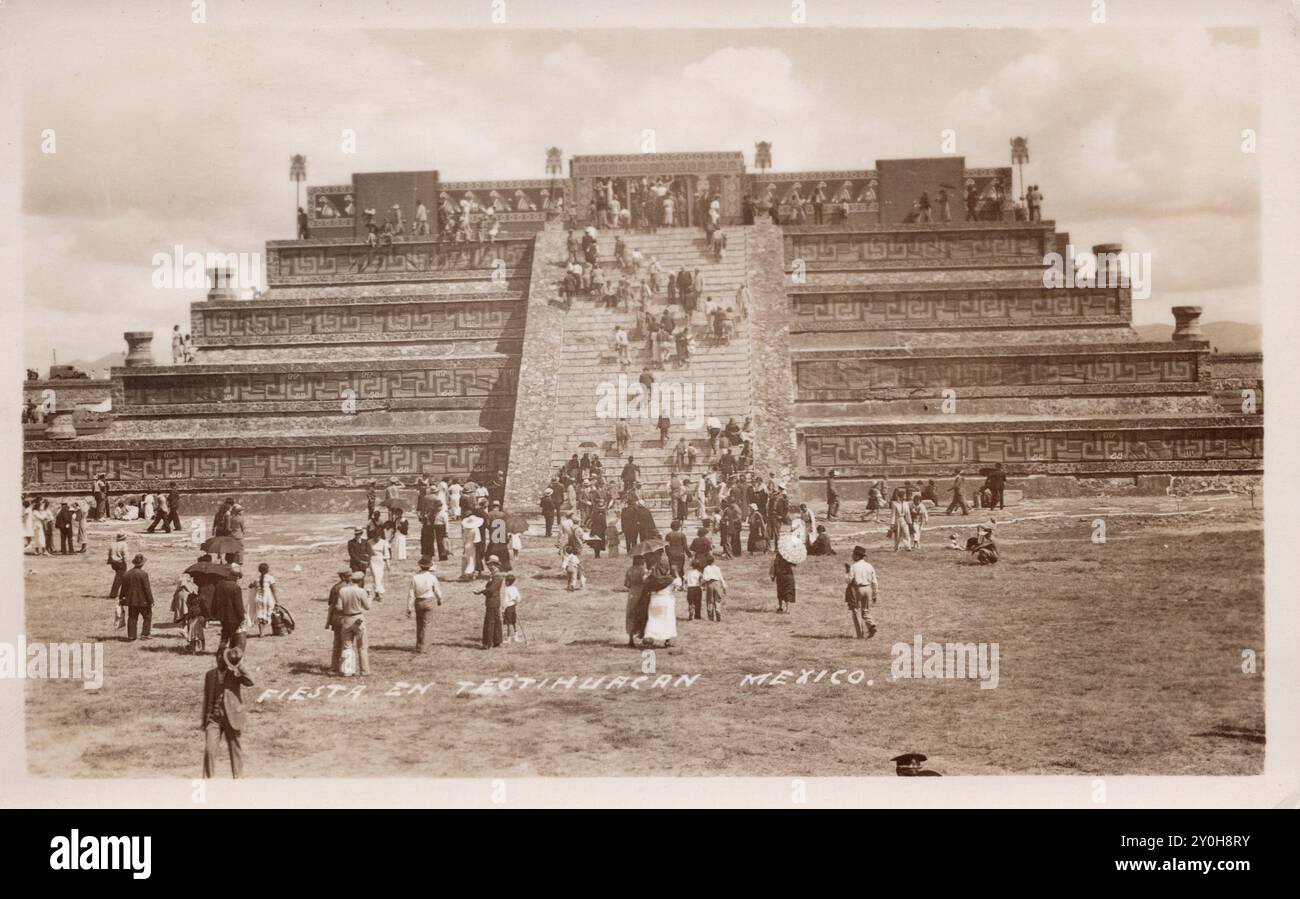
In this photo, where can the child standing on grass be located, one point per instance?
(694, 588)
(510, 609)
(715, 589)
(573, 568)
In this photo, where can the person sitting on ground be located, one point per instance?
(822, 545)
(982, 547)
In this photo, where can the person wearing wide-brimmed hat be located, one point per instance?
(137, 598)
(860, 591)
(223, 710)
(118, 553)
(491, 594)
(425, 593)
(471, 531)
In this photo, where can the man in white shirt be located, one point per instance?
(714, 427)
(621, 346)
(861, 591)
(423, 596)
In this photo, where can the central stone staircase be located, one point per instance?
(590, 364)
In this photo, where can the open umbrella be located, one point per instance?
(223, 545)
(215, 568)
(645, 547)
(516, 523)
(792, 549)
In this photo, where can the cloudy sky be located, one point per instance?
(173, 133)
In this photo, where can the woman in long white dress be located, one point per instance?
(400, 528)
(661, 618)
(379, 556)
(470, 527)
(27, 524)
(41, 515)
(147, 507)
(264, 599)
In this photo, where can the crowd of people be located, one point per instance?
(41, 520)
(595, 511)
(634, 282)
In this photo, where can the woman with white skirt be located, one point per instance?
(379, 556)
(661, 616)
(263, 600)
(400, 529)
(470, 533)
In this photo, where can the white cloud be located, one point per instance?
(184, 136)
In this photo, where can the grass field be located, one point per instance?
(1114, 658)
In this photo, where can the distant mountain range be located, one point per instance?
(1226, 337)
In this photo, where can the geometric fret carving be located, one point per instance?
(406, 260)
(1031, 449)
(427, 381)
(919, 308)
(344, 321)
(948, 246)
(855, 379)
(262, 466)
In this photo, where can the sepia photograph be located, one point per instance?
(508, 395)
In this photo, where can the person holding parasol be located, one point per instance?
(790, 551)
(656, 613)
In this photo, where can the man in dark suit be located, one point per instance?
(645, 523)
(997, 481)
(359, 551)
(137, 598)
(631, 526)
(63, 521)
(228, 608)
(223, 710)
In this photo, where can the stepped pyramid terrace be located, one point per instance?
(872, 344)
